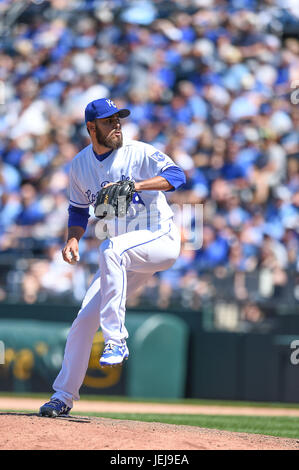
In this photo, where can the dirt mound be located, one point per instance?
(26, 431)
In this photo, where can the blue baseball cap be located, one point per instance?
(103, 108)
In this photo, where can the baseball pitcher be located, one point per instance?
(125, 182)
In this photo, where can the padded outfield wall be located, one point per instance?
(173, 355)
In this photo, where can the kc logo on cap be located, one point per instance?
(110, 102)
(103, 108)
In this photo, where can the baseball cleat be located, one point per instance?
(54, 408)
(114, 354)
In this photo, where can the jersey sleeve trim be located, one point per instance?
(174, 175)
(78, 204)
(78, 216)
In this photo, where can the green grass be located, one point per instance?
(279, 426)
(282, 426)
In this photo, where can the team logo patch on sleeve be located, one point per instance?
(158, 156)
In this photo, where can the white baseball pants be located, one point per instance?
(126, 263)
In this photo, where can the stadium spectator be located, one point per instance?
(209, 83)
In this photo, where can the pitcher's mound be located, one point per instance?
(26, 431)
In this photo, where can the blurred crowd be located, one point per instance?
(212, 83)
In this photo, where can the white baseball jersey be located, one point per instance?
(126, 261)
(135, 161)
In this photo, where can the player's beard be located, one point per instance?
(111, 141)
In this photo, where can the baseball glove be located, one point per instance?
(114, 200)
